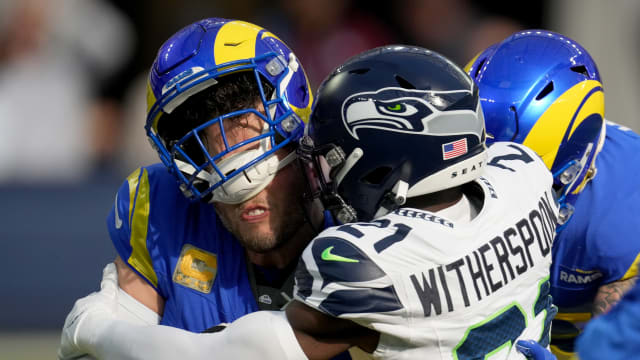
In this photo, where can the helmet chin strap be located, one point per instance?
(393, 199)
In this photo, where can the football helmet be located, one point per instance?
(392, 123)
(543, 90)
(201, 56)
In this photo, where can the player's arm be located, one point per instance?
(134, 285)
(259, 335)
(322, 336)
(128, 224)
(609, 294)
(94, 327)
(110, 303)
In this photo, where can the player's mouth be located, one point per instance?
(254, 214)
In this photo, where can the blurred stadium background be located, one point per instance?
(72, 80)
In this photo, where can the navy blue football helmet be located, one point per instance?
(543, 89)
(204, 55)
(393, 123)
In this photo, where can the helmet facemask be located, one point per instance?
(216, 73)
(240, 170)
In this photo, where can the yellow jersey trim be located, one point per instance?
(139, 206)
(633, 269)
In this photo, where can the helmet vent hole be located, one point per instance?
(404, 82)
(359, 71)
(547, 89)
(376, 176)
(580, 69)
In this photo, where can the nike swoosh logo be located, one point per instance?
(328, 256)
(118, 220)
(234, 44)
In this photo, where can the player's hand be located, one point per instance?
(77, 330)
(534, 351)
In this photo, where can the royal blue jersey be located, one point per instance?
(182, 249)
(599, 244)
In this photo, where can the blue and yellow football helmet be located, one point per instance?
(197, 58)
(543, 90)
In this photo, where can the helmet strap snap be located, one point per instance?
(396, 197)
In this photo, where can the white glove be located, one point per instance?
(77, 331)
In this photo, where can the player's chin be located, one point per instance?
(259, 242)
(257, 236)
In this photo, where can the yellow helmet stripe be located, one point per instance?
(270, 34)
(593, 105)
(304, 113)
(151, 97)
(236, 40)
(151, 101)
(549, 131)
(470, 63)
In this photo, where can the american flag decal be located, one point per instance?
(454, 149)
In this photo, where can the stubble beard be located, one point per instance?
(282, 229)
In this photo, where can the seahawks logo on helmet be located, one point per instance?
(421, 112)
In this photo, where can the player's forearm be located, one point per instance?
(609, 294)
(261, 335)
(322, 336)
(115, 339)
(110, 302)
